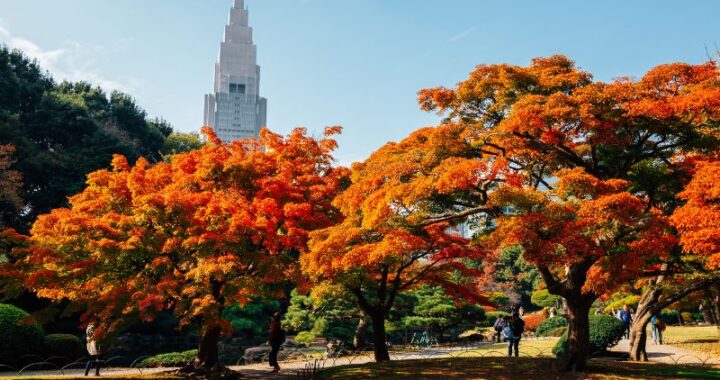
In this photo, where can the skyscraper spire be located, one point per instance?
(236, 110)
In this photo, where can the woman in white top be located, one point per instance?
(93, 349)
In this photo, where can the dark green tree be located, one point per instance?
(61, 132)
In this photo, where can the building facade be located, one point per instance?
(236, 110)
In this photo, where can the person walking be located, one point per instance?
(626, 318)
(276, 339)
(658, 327)
(93, 348)
(513, 330)
(498, 326)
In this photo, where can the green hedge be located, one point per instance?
(550, 325)
(19, 334)
(170, 359)
(304, 337)
(543, 298)
(670, 317)
(631, 300)
(65, 345)
(493, 315)
(605, 331)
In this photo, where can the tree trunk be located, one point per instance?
(716, 307)
(379, 337)
(359, 340)
(638, 337)
(578, 335)
(207, 356)
(707, 316)
(638, 331)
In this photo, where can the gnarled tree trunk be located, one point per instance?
(578, 310)
(578, 314)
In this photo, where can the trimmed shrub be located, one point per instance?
(19, 334)
(631, 300)
(304, 337)
(550, 324)
(170, 359)
(66, 345)
(543, 298)
(557, 332)
(605, 331)
(687, 317)
(670, 317)
(493, 315)
(532, 321)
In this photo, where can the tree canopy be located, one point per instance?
(211, 228)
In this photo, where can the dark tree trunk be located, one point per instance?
(706, 314)
(578, 334)
(716, 307)
(379, 337)
(207, 356)
(359, 340)
(577, 308)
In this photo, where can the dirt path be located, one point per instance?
(669, 354)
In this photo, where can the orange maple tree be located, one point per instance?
(698, 220)
(385, 244)
(698, 224)
(210, 228)
(550, 117)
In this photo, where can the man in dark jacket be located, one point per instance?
(276, 339)
(517, 325)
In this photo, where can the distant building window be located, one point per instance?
(236, 88)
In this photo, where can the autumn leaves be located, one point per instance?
(585, 176)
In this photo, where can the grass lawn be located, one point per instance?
(701, 339)
(511, 369)
(684, 334)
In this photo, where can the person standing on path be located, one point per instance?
(658, 327)
(513, 330)
(93, 349)
(498, 326)
(276, 339)
(626, 319)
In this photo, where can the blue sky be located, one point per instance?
(356, 63)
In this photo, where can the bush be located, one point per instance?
(533, 321)
(605, 331)
(550, 324)
(686, 316)
(66, 345)
(171, 359)
(631, 300)
(670, 317)
(19, 334)
(543, 298)
(493, 315)
(557, 332)
(304, 337)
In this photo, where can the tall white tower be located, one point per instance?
(236, 110)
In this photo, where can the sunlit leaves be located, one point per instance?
(210, 227)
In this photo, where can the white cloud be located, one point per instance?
(462, 34)
(74, 61)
